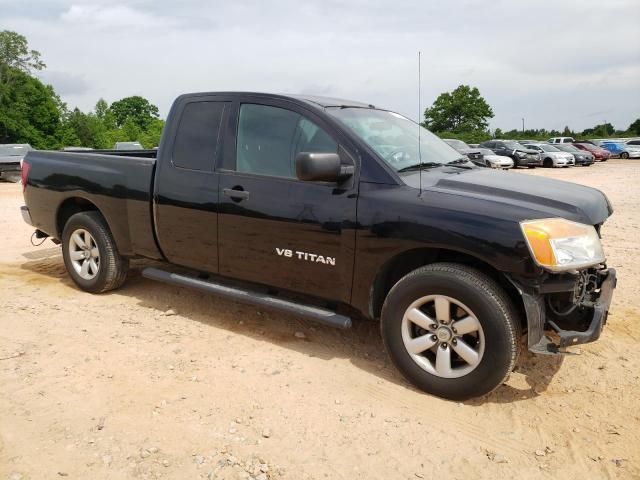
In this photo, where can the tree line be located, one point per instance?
(31, 112)
(464, 114)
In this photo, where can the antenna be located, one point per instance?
(419, 116)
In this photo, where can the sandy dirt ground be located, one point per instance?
(153, 381)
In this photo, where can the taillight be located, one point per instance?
(24, 173)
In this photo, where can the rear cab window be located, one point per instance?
(198, 135)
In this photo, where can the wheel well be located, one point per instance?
(70, 207)
(408, 261)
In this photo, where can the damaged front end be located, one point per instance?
(567, 309)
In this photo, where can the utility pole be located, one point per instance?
(523, 125)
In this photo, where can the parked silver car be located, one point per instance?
(551, 156)
(128, 146)
(11, 156)
(631, 149)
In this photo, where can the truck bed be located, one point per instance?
(119, 186)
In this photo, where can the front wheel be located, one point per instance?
(90, 254)
(451, 330)
(624, 155)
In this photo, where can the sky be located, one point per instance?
(554, 63)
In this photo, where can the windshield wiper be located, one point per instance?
(458, 163)
(418, 166)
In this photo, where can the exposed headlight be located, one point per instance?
(558, 244)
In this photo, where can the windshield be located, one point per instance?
(13, 150)
(567, 148)
(549, 148)
(458, 144)
(394, 137)
(514, 145)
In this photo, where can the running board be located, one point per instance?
(321, 315)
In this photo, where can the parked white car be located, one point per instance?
(552, 156)
(496, 161)
(480, 156)
(631, 149)
(561, 140)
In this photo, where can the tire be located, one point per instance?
(548, 163)
(109, 268)
(624, 155)
(470, 293)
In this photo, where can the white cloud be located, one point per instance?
(553, 63)
(91, 16)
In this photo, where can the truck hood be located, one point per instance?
(523, 196)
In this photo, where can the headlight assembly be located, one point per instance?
(558, 244)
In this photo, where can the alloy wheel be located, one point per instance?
(443, 336)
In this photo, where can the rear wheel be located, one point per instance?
(90, 254)
(451, 331)
(624, 155)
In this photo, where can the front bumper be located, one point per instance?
(600, 313)
(539, 321)
(584, 162)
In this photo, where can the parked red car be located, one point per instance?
(600, 154)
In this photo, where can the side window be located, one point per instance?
(269, 138)
(198, 135)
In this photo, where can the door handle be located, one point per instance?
(235, 194)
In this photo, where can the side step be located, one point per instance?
(311, 312)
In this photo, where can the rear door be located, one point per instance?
(186, 187)
(273, 228)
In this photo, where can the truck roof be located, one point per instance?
(315, 100)
(331, 102)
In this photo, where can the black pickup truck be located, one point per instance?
(334, 210)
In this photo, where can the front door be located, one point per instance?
(273, 228)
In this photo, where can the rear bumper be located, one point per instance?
(538, 321)
(26, 215)
(9, 167)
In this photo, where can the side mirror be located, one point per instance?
(321, 167)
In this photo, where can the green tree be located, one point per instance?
(15, 54)
(463, 110)
(602, 130)
(635, 127)
(136, 108)
(151, 137)
(29, 111)
(89, 129)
